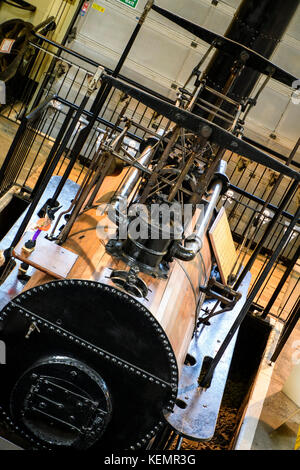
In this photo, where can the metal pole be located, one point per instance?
(260, 201)
(206, 380)
(268, 231)
(55, 155)
(194, 242)
(21, 130)
(105, 88)
(53, 62)
(269, 199)
(53, 151)
(282, 281)
(101, 97)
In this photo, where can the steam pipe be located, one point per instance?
(193, 243)
(132, 178)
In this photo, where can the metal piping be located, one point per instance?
(193, 243)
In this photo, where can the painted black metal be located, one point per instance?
(21, 4)
(196, 412)
(228, 46)
(287, 330)
(112, 334)
(258, 25)
(63, 402)
(97, 105)
(199, 125)
(256, 220)
(49, 159)
(99, 119)
(54, 157)
(150, 251)
(148, 255)
(289, 194)
(257, 199)
(62, 48)
(34, 114)
(259, 283)
(9, 285)
(42, 38)
(130, 282)
(5, 184)
(17, 152)
(77, 340)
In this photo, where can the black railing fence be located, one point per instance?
(251, 201)
(37, 63)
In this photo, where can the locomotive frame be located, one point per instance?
(212, 176)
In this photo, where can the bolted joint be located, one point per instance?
(189, 250)
(206, 131)
(95, 81)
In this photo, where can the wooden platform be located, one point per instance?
(12, 286)
(47, 257)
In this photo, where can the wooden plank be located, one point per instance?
(223, 246)
(48, 257)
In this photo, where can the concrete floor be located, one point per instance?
(279, 421)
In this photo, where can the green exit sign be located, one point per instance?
(130, 3)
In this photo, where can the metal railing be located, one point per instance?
(251, 184)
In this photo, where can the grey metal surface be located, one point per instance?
(12, 286)
(164, 55)
(6, 445)
(197, 421)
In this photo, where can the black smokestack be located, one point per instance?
(259, 25)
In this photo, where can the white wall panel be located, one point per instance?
(218, 20)
(293, 29)
(289, 125)
(163, 55)
(270, 106)
(288, 58)
(159, 53)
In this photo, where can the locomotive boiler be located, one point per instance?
(94, 356)
(103, 348)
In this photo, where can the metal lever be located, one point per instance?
(31, 329)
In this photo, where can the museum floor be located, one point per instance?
(279, 420)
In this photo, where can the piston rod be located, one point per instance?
(193, 243)
(131, 181)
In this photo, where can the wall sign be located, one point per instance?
(98, 7)
(130, 3)
(84, 8)
(6, 45)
